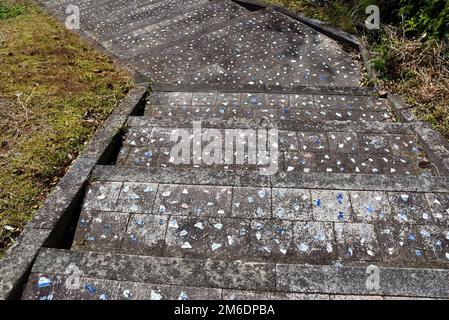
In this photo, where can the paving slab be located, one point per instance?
(439, 206)
(401, 244)
(357, 241)
(410, 208)
(101, 231)
(315, 242)
(145, 235)
(332, 206)
(213, 238)
(292, 204)
(252, 203)
(352, 280)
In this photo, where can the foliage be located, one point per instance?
(10, 10)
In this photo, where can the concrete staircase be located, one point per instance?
(214, 43)
(352, 188)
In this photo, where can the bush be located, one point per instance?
(426, 16)
(415, 16)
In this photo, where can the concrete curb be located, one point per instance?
(51, 225)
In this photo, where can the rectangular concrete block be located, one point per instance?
(353, 281)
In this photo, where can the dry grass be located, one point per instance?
(55, 90)
(419, 70)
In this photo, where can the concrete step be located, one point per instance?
(331, 147)
(244, 50)
(290, 179)
(99, 18)
(199, 21)
(104, 20)
(275, 107)
(109, 276)
(263, 47)
(228, 215)
(142, 16)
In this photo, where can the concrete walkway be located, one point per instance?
(354, 208)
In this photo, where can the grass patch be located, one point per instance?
(10, 10)
(55, 91)
(337, 13)
(419, 71)
(411, 64)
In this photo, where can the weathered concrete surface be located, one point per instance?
(215, 43)
(355, 192)
(400, 228)
(112, 275)
(352, 280)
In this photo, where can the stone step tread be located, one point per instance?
(333, 141)
(196, 53)
(297, 125)
(306, 107)
(55, 287)
(289, 179)
(266, 36)
(348, 102)
(200, 20)
(332, 151)
(232, 275)
(114, 10)
(307, 162)
(127, 21)
(179, 114)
